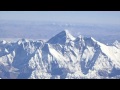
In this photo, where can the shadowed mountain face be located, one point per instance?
(61, 38)
(63, 56)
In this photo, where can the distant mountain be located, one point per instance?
(61, 57)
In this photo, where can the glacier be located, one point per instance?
(61, 57)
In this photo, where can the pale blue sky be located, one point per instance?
(96, 17)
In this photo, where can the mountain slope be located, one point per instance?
(61, 38)
(63, 56)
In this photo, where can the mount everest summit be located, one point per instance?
(61, 57)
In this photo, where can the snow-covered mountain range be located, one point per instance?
(61, 57)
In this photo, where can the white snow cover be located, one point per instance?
(62, 57)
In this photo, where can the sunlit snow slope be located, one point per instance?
(61, 57)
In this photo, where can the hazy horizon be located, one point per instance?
(91, 17)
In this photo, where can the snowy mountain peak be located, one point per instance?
(62, 56)
(66, 31)
(22, 41)
(62, 38)
(92, 39)
(79, 38)
(116, 44)
(3, 42)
